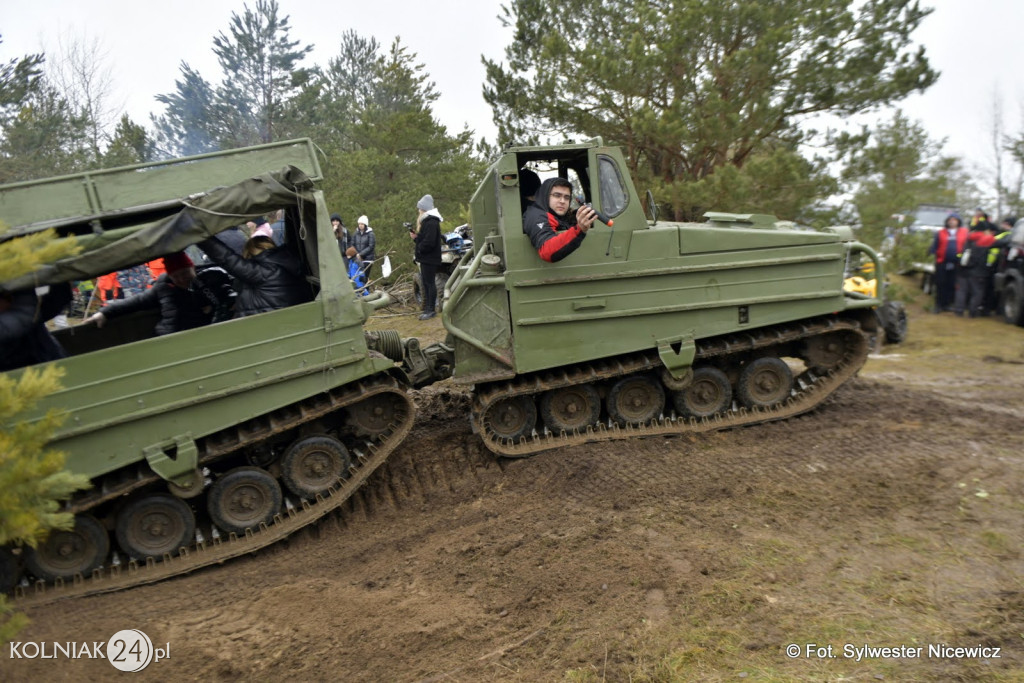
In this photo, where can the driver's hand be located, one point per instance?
(98, 318)
(585, 217)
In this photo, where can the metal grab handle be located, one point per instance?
(452, 297)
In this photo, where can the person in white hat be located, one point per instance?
(365, 243)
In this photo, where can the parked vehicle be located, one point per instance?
(1009, 277)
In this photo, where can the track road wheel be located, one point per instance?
(153, 525)
(371, 417)
(66, 553)
(9, 570)
(243, 498)
(636, 400)
(824, 352)
(570, 408)
(511, 418)
(709, 393)
(764, 383)
(313, 463)
(1013, 303)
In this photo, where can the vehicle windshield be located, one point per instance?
(930, 218)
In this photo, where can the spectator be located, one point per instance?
(947, 247)
(24, 339)
(355, 270)
(277, 227)
(973, 271)
(529, 183)
(109, 288)
(233, 237)
(269, 277)
(365, 243)
(134, 280)
(186, 299)
(427, 237)
(340, 233)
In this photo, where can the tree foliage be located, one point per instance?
(892, 169)
(32, 478)
(131, 144)
(692, 87)
(18, 78)
(384, 149)
(44, 137)
(261, 74)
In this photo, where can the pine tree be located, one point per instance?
(891, 169)
(44, 137)
(32, 478)
(692, 87)
(18, 78)
(261, 75)
(130, 145)
(393, 150)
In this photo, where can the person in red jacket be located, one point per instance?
(553, 231)
(947, 246)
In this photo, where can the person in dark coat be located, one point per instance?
(186, 299)
(947, 248)
(553, 231)
(234, 237)
(268, 277)
(972, 267)
(428, 251)
(341, 233)
(365, 243)
(24, 339)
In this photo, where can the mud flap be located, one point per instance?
(677, 355)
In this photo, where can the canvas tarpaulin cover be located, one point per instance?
(198, 218)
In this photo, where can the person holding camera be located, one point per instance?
(428, 250)
(554, 232)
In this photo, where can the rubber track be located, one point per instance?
(285, 523)
(810, 390)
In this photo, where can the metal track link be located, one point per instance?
(809, 390)
(285, 523)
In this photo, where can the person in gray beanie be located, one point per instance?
(428, 251)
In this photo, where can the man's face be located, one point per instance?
(182, 278)
(559, 200)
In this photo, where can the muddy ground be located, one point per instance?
(890, 516)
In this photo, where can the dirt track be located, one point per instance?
(890, 516)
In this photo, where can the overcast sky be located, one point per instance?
(972, 42)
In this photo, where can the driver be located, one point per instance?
(553, 231)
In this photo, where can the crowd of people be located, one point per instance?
(965, 263)
(239, 272)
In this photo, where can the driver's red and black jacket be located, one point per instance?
(553, 237)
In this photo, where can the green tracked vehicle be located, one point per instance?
(649, 327)
(204, 444)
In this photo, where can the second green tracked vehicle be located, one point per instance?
(649, 327)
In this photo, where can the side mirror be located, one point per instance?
(652, 207)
